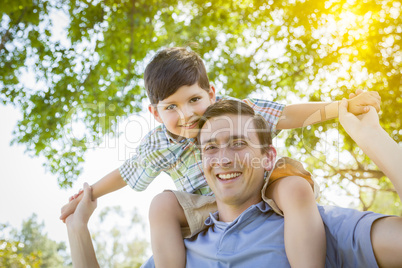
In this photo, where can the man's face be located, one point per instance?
(181, 111)
(233, 161)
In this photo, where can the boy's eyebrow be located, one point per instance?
(172, 102)
(234, 137)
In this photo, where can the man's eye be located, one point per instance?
(238, 144)
(209, 147)
(195, 99)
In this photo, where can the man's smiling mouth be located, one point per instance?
(228, 176)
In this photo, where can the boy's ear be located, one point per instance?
(211, 93)
(154, 111)
(270, 158)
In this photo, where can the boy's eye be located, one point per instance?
(195, 99)
(170, 107)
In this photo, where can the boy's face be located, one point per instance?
(181, 111)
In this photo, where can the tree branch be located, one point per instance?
(131, 48)
(7, 34)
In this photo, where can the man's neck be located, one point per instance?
(230, 212)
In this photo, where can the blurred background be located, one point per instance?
(74, 105)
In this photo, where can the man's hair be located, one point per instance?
(233, 107)
(172, 68)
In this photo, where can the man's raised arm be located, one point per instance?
(82, 250)
(375, 142)
(386, 233)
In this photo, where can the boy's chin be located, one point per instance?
(185, 134)
(189, 134)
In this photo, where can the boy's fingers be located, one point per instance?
(359, 91)
(376, 104)
(375, 94)
(352, 95)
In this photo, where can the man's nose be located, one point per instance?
(224, 157)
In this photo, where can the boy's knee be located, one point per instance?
(296, 188)
(163, 201)
(164, 205)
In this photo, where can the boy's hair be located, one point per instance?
(172, 68)
(233, 107)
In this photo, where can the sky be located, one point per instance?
(26, 188)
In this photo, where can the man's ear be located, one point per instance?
(154, 111)
(270, 158)
(211, 93)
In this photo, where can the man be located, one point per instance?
(237, 156)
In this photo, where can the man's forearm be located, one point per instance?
(304, 114)
(110, 183)
(383, 151)
(82, 250)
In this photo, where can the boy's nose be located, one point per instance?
(187, 112)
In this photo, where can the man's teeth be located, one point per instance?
(229, 176)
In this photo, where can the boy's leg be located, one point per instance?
(166, 218)
(305, 241)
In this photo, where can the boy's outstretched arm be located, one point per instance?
(110, 183)
(304, 114)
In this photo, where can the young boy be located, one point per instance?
(179, 90)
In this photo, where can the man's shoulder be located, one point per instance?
(149, 263)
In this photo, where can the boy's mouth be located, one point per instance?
(191, 124)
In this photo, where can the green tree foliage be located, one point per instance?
(120, 244)
(30, 247)
(282, 50)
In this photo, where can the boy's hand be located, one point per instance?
(359, 103)
(70, 207)
(76, 195)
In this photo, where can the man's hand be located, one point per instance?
(84, 209)
(360, 101)
(82, 249)
(70, 207)
(352, 123)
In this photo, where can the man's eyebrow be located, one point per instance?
(238, 137)
(208, 141)
(234, 137)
